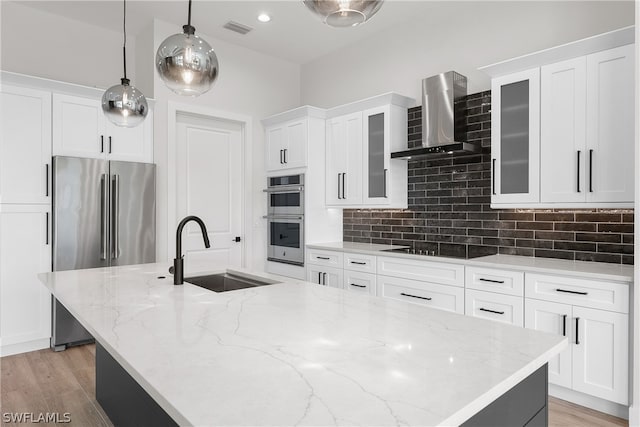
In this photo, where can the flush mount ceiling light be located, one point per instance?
(344, 13)
(264, 17)
(123, 104)
(186, 63)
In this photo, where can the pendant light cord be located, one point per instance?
(124, 41)
(189, 17)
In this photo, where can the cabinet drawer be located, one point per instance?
(428, 271)
(322, 257)
(494, 280)
(492, 306)
(442, 297)
(359, 282)
(612, 296)
(359, 262)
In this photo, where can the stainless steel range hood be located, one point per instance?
(443, 124)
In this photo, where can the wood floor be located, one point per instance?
(45, 381)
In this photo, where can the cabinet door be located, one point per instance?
(78, 127)
(553, 318)
(295, 149)
(515, 138)
(325, 276)
(25, 145)
(356, 281)
(275, 148)
(600, 354)
(562, 131)
(131, 144)
(376, 155)
(610, 125)
(344, 160)
(25, 306)
(441, 297)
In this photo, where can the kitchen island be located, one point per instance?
(295, 353)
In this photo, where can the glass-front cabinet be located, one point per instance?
(376, 155)
(515, 139)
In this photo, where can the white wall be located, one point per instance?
(250, 84)
(469, 35)
(42, 44)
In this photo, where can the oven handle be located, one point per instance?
(283, 189)
(282, 217)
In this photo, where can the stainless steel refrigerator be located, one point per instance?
(104, 214)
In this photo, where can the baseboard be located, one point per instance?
(24, 347)
(588, 401)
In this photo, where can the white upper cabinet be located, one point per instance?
(25, 145)
(344, 160)
(610, 125)
(515, 138)
(80, 129)
(287, 145)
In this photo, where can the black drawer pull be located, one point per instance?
(323, 257)
(357, 286)
(415, 296)
(490, 280)
(564, 325)
(491, 311)
(358, 262)
(572, 292)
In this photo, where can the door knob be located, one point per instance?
(236, 239)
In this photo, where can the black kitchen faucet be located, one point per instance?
(178, 261)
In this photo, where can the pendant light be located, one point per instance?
(123, 104)
(344, 13)
(186, 63)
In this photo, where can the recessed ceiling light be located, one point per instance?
(263, 17)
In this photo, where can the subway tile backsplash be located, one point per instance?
(449, 210)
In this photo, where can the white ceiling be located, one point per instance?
(294, 33)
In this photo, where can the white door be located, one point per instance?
(610, 125)
(25, 145)
(554, 318)
(275, 148)
(295, 150)
(209, 184)
(25, 305)
(78, 127)
(131, 144)
(600, 354)
(563, 94)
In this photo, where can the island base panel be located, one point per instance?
(122, 398)
(526, 404)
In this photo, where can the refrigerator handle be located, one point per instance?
(115, 206)
(104, 215)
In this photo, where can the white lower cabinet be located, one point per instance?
(488, 305)
(326, 276)
(25, 304)
(356, 281)
(596, 361)
(442, 297)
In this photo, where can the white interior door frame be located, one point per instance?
(245, 122)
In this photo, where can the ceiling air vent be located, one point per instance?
(237, 27)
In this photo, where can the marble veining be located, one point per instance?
(297, 353)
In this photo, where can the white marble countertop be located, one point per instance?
(587, 269)
(296, 353)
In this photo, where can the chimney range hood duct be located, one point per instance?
(443, 125)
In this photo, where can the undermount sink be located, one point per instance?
(223, 282)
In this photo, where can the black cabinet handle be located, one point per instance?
(344, 176)
(564, 325)
(102, 143)
(590, 171)
(357, 286)
(324, 279)
(577, 333)
(339, 198)
(415, 296)
(46, 180)
(46, 219)
(578, 173)
(482, 279)
(572, 292)
(319, 274)
(280, 156)
(384, 182)
(493, 176)
(285, 155)
(491, 311)
(358, 262)
(109, 145)
(323, 257)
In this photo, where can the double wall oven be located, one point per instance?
(285, 219)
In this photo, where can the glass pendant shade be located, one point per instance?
(186, 63)
(124, 105)
(344, 13)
